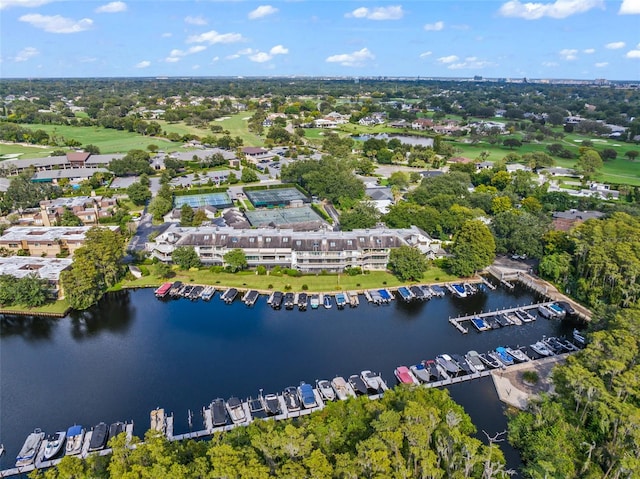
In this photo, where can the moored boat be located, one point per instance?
(326, 391)
(30, 448)
(480, 324)
(462, 364)
(208, 293)
(289, 301)
(98, 437)
(557, 310)
(272, 404)
(448, 364)
(250, 297)
(230, 295)
(75, 436)
(503, 356)
(307, 396)
(276, 300)
(358, 384)
(116, 429)
(353, 299)
(326, 301)
(541, 348)
(256, 408)
(315, 301)
(302, 301)
(490, 361)
(517, 355)
(291, 399)
(158, 420)
(579, 337)
(405, 294)
(342, 388)
(175, 289)
(435, 373)
(372, 380)
(340, 300)
(404, 376)
(218, 412)
(458, 290)
(163, 290)
(545, 312)
(568, 345)
(473, 358)
(235, 410)
(438, 290)
(53, 444)
(420, 372)
(502, 320)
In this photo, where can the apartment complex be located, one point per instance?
(88, 208)
(45, 241)
(45, 268)
(309, 252)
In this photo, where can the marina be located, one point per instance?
(161, 343)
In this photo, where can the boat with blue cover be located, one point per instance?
(545, 312)
(480, 324)
(557, 310)
(503, 356)
(405, 294)
(418, 293)
(75, 436)
(385, 295)
(307, 397)
(340, 300)
(438, 290)
(458, 290)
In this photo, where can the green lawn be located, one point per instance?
(56, 307)
(108, 140)
(181, 128)
(237, 126)
(320, 283)
(26, 152)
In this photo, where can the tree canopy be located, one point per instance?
(235, 260)
(473, 249)
(185, 257)
(362, 215)
(407, 263)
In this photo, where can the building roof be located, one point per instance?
(71, 173)
(47, 233)
(254, 150)
(45, 268)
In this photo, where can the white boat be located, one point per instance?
(518, 355)
(541, 348)
(420, 372)
(53, 444)
(75, 436)
(545, 312)
(473, 358)
(371, 380)
(236, 411)
(326, 391)
(579, 338)
(342, 388)
(30, 448)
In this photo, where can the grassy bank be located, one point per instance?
(56, 308)
(319, 283)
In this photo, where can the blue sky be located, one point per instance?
(582, 39)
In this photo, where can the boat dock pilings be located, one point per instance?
(488, 283)
(457, 322)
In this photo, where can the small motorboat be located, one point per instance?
(30, 448)
(289, 301)
(75, 436)
(99, 437)
(218, 412)
(517, 355)
(116, 429)
(326, 391)
(53, 445)
(326, 301)
(463, 364)
(434, 373)
(420, 372)
(291, 399)
(473, 358)
(568, 345)
(404, 376)
(450, 367)
(371, 380)
(256, 408)
(541, 348)
(307, 396)
(236, 411)
(315, 301)
(272, 405)
(490, 361)
(503, 356)
(342, 388)
(579, 337)
(556, 346)
(358, 385)
(545, 312)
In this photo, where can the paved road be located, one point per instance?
(145, 228)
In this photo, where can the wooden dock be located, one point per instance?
(457, 322)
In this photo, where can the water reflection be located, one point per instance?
(31, 328)
(113, 314)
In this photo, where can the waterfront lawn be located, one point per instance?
(315, 283)
(25, 152)
(55, 307)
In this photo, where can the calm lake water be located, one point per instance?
(133, 353)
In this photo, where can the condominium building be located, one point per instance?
(44, 268)
(309, 252)
(45, 241)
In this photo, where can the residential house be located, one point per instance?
(45, 241)
(44, 268)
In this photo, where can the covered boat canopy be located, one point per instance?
(74, 431)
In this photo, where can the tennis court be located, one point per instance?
(217, 200)
(274, 197)
(282, 216)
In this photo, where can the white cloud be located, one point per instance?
(471, 63)
(601, 64)
(549, 64)
(262, 11)
(260, 57)
(176, 54)
(434, 27)
(195, 20)
(25, 54)
(56, 23)
(425, 54)
(633, 53)
(449, 59)
(630, 7)
(589, 51)
(354, 59)
(569, 53)
(143, 64)
(87, 59)
(393, 12)
(247, 51)
(113, 7)
(615, 45)
(212, 37)
(215, 59)
(556, 9)
(232, 57)
(167, 35)
(22, 3)
(278, 50)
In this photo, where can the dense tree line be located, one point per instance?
(30, 290)
(419, 433)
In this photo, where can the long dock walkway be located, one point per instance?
(457, 322)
